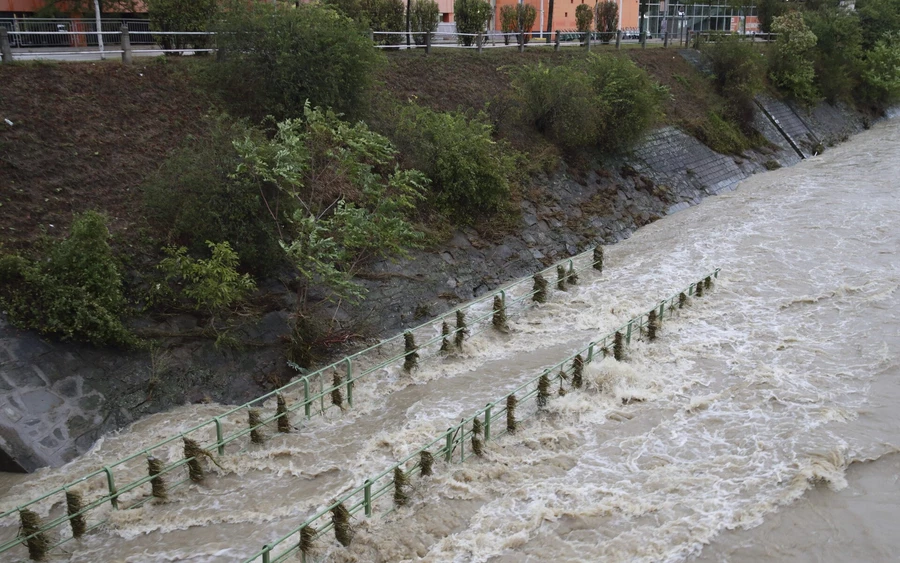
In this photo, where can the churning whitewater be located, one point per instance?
(768, 387)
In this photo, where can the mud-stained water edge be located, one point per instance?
(762, 425)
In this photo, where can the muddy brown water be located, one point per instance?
(762, 425)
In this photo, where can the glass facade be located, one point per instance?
(679, 18)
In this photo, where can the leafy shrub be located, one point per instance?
(181, 15)
(602, 101)
(838, 51)
(880, 71)
(469, 171)
(195, 197)
(213, 284)
(877, 17)
(584, 17)
(739, 71)
(791, 64)
(424, 17)
(272, 59)
(350, 201)
(722, 135)
(471, 17)
(386, 15)
(509, 21)
(607, 19)
(74, 293)
(767, 11)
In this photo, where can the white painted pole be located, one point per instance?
(542, 19)
(99, 28)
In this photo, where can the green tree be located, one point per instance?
(607, 19)
(791, 66)
(739, 74)
(424, 17)
(214, 284)
(584, 17)
(881, 71)
(767, 11)
(838, 52)
(384, 16)
(471, 17)
(272, 59)
(509, 21)
(876, 18)
(350, 200)
(181, 15)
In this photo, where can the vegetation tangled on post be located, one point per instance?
(462, 330)
(619, 346)
(445, 332)
(539, 289)
(543, 391)
(652, 325)
(401, 482)
(477, 443)
(411, 360)
(194, 452)
(157, 483)
(511, 414)
(337, 398)
(698, 289)
(572, 278)
(598, 258)
(682, 300)
(707, 283)
(74, 505)
(560, 278)
(284, 422)
(307, 536)
(499, 318)
(426, 463)
(37, 542)
(340, 518)
(253, 420)
(578, 372)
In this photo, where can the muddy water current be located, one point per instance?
(761, 425)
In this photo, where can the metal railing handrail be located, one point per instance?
(457, 435)
(302, 382)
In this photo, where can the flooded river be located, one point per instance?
(761, 425)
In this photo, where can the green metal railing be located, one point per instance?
(315, 387)
(451, 445)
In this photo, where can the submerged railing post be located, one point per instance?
(487, 422)
(448, 451)
(307, 408)
(367, 498)
(219, 437)
(111, 484)
(265, 553)
(349, 382)
(590, 352)
(628, 333)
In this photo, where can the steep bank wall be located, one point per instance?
(57, 399)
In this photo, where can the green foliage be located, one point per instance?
(424, 16)
(349, 199)
(195, 197)
(607, 18)
(877, 17)
(791, 64)
(838, 51)
(385, 15)
(601, 101)
(469, 171)
(74, 292)
(508, 21)
(767, 11)
(181, 15)
(471, 17)
(584, 17)
(273, 59)
(213, 285)
(739, 73)
(722, 135)
(881, 71)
